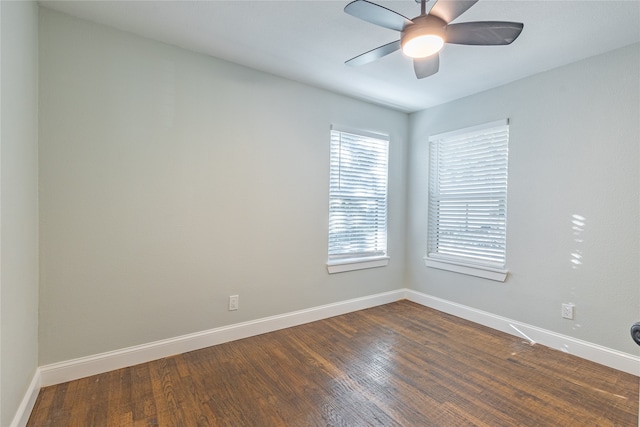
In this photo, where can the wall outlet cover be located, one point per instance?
(233, 302)
(567, 311)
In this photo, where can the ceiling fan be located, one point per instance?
(422, 37)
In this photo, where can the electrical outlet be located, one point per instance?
(567, 311)
(233, 302)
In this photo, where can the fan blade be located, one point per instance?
(377, 15)
(485, 33)
(374, 54)
(448, 10)
(424, 67)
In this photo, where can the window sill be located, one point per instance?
(470, 270)
(356, 264)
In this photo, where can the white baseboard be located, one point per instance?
(82, 367)
(28, 401)
(57, 373)
(605, 356)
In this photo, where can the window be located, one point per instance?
(357, 200)
(468, 200)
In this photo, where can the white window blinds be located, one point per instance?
(468, 195)
(357, 195)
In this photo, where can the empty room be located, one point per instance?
(320, 213)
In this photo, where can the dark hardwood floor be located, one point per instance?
(399, 364)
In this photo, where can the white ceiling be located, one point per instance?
(308, 41)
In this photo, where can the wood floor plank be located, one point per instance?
(399, 364)
(119, 404)
(44, 402)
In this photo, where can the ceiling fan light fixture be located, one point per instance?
(424, 37)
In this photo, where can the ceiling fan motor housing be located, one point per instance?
(423, 25)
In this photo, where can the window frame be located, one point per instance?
(336, 262)
(459, 264)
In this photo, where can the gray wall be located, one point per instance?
(171, 180)
(574, 150)
(18, 203)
